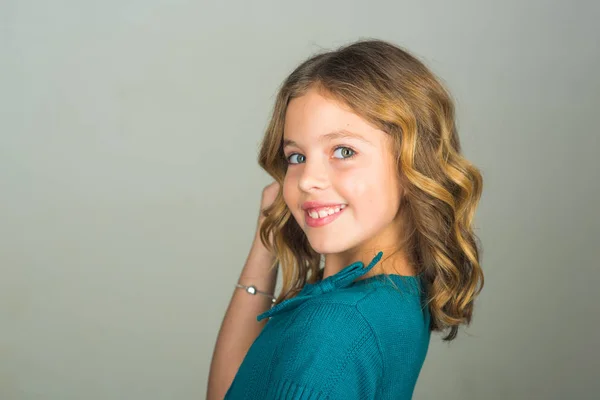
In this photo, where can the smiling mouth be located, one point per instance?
(323, 212)
(319, 217)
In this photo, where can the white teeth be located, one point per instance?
(326, 211)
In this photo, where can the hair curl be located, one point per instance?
(397, 93)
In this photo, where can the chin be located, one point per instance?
(327, 246)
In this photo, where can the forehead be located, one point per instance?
(336, 134)
(315, 117)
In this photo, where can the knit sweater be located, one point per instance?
(340, 339)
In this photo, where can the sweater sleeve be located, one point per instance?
(328, 351)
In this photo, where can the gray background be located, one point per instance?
(129, 187)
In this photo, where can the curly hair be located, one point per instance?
(397, 93)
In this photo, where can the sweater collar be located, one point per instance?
(341, 279)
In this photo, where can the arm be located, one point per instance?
(240, 328)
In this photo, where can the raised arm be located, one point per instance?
(240, 328)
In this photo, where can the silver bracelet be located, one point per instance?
(253, 290)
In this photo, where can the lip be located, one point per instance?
(307, 205)
(318, 222)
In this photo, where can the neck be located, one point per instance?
(393, 261)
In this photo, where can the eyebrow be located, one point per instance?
(338, 134)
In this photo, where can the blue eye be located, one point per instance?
(347, 153)
(292, 155)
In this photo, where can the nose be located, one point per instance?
(314, 175)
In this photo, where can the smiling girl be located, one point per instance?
(370, 221)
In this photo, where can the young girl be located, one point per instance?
(370, 221)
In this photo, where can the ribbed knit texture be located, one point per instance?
(340, 339)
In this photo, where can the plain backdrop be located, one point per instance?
(129, 186)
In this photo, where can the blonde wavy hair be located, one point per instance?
(398, 94)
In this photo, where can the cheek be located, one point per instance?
(289, 192)
(291, 196)
(368, 191)
(356, 186)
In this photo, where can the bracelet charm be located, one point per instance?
(254, 291)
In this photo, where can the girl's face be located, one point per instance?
(336, 157)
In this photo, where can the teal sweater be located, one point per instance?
(340, 339)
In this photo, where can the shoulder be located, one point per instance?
(336, 324)
(400, 321)
(330, 348)
(379, 309)
(396, 313)
(394, 305)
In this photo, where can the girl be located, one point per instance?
(370, 221)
